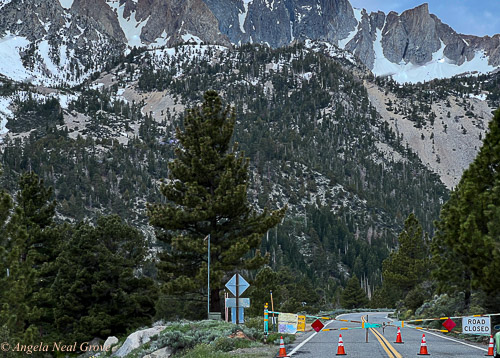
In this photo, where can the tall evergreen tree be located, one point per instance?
(466, 246)
(408, 265)
(353, 296)
(27, 247)
(207, 195)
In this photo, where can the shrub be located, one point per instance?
(275, 338)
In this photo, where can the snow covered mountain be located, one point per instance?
(53, 42)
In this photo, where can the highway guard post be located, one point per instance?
(266, 320)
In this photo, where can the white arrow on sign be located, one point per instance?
(242, 285)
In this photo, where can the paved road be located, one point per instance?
(380, 342)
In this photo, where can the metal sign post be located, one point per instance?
(237, 299)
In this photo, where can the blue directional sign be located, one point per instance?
(242, 285)
(242, 302)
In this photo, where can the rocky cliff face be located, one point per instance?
(171, 21)
(280, 22)
(397, 42)
(392, 44)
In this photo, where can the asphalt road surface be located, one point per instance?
(380, 341)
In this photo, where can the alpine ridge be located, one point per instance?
(413, 46)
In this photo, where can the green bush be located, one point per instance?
(274, 338)
(226, 344)
(204, 351)
(256, 323)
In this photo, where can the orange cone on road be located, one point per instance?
(340, 347)
(398, 337)
(490, 348)
(282, 352)
(423, 347)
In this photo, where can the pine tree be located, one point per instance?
(207, 195)
(27, 248)
(98, 287)
(468, 232)
(18, 308)
(408, 265)
(353, 295)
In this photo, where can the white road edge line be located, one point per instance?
(450, 339)
(454, 340)
(308, 339)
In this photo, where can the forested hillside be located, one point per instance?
(305, 121)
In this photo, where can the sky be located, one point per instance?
(470, 17)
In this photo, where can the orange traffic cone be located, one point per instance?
(282, 352)
(340, 347)
(423, 347)
(398, 337)
(490, 348)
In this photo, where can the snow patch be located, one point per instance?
(481, 97)
(66, 3)
(191, 38)
(269, 4)
(66, 99)
(439, 67)
(307, 76)
(4, 2)
(130, 26)
(243, 16)
(11, 64)
(162, 40)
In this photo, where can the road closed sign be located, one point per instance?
(476, 325)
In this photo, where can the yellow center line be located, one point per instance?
(388, 348)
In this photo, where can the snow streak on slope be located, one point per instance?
(5, 114)
(439, 67)
(344, 42)
(242, 16)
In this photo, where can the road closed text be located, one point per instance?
(476, 325)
